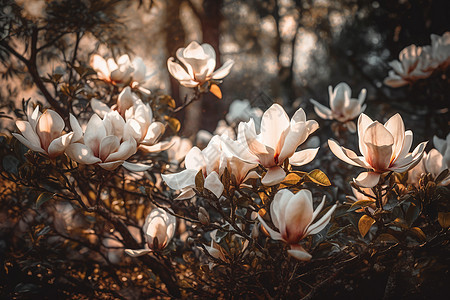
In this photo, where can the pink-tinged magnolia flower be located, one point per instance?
(293, 215)
(384, 148)
(432, 163)
(197, 65)
(159, 229)
(413, 64)
(103, 144)
(209, 161)
(343, 107)
(443, 146)
(278, 140)
(43, 132)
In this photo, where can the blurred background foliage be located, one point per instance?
(285, 51)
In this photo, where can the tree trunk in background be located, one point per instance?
(212, 109)
(175, 38)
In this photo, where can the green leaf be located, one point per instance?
(174, 124)
(419, 233)
(444, 219)
(44, 197)
(199, 181)
(318, 177)
(291, 179)
(364, 224)
(362, 203)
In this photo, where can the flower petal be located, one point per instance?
(278, 209)
(321, 110)
(379, 143)
(303, 157)
(57, 146)
(81, 154)
(111, 165)
(298, 215)
(29, 144)
(345, 155)
(213, 183)
(99, 107)
(396, 127)
(273, 234)
(224, 70)
(194, 159)
(154, 132)
(135, 167)
(367, 179)
(95, 132)
(136, 253)
(125, 150)
(157, 147)
(274, 122)
(76, 128)
(316, 227)
(183, 179)
(299, 253)
(108, 145)
(177, 71)
(363, 122)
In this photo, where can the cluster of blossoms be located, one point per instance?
(263, 150)
(417, 62)
(433, 162)
(277, 142)
(123, 72)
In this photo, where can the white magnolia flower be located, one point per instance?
(43, 132)
(209, 161)
(242, 111)
(197, 65)
(102, 143)
(413, 64)
(159, 229)
(440, 49)
(443, 146)
(293, 216)
(384, 148)
(343, 107)
(139, 124)
(108, 70)
(432, 163)
(278, 140)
